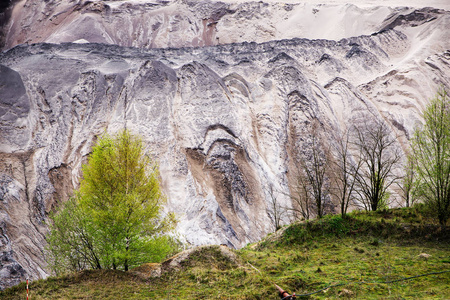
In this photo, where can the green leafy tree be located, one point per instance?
(115, 219)
(431, 155)
(71, 243)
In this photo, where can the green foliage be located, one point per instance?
(71, 243)
(114, 219)
(431, 157)
(338, 225)
(383, 204)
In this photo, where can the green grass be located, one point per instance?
(359, 253)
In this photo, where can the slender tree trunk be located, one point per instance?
(126, 256)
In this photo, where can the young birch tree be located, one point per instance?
(431, 146)
(118, 206)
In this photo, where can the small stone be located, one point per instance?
(345, 293)
(424, 255)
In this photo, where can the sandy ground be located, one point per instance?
(311, 19)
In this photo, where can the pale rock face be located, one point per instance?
(223, 122)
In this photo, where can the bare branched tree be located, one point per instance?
(313, 164)
(276, 210)
(301, 196)
(343, 171)
(406, 183)
(379, 155)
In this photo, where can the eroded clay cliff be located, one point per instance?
(222, 121)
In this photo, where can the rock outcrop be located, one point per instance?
(222, 121)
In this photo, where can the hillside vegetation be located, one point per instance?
(376, 255)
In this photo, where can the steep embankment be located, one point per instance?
(224, 122)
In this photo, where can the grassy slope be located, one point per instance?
(374, 248)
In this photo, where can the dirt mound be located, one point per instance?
(148, 270)
(213, 257)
